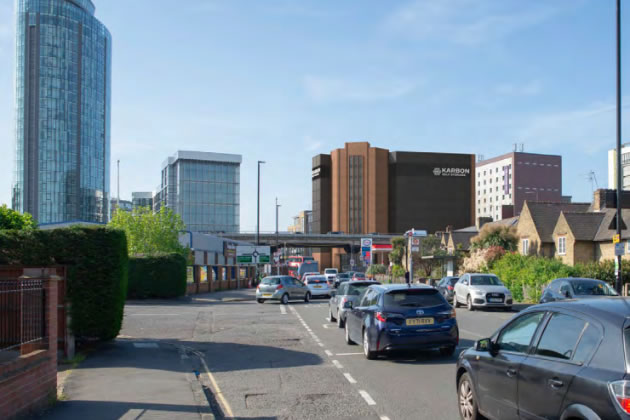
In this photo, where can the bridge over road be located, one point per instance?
(309, 240)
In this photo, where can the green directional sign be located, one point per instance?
(244, 259)
(249, 254)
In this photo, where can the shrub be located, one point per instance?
(493, 235)
(398, 271)
(157, 276)
(377, 269)
(97, 261)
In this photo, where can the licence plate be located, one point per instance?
(495, 300)
(317, 287)
(419, 321)
(267, 294)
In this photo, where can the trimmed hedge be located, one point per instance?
(97, 271)
(157, 276)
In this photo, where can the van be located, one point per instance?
(307, 267)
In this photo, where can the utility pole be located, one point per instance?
(277, 237)
(118, 182)
(260, 162)
(618, 284)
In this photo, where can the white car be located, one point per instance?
(331, 275)
(317, 285)
(482, 291)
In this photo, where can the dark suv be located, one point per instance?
(561, 360)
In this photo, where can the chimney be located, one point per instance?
(449, 228)
(607, 199)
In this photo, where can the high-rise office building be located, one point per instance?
(142, 199)
(204, 189)
(506, 181)
(63, 92)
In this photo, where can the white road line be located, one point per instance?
(367, 398)
(326, 326)
(384, 418)
(328, 353)
(347, 354)
(321, 344)
(471, 333)
(337, 364)
(283, 309)
(350, 378)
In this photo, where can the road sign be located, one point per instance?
(352, 263)
(616, 239)
(620, 249)
(366, 243)
(247, 254)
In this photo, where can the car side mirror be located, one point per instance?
(485, 344)
(347, 305)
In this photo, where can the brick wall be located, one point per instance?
(29, 382)
(526, 229)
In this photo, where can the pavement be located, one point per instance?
(225, 354)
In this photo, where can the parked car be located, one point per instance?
(482, 291)
(347, 292)
(317, 285)
(341, 277)
(401, 317)
(560, 360)
(576, 288)
(356, 276)
(331, 275)
(282, 288)
(446, 286)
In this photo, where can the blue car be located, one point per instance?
(402, 317)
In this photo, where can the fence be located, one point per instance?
(22, 314)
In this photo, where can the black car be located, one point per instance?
(401, 317)
(446, 286)
(563, 360)
(576, 288)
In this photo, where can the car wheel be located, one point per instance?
(340, 321)
(285, 299)
(307, 297)
(367, 351)
(261, 300)
(331, 318)
(455, 301)
(348, 339)
(447, 351)
(467, 403)
(469, 303)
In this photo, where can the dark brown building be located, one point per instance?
(363, 189)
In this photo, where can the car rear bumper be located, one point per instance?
(277, 295)
(319, 292)
(391, 341)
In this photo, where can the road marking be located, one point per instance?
(347, 354)
(217, 391)
(471, 333)
(326, 326)
(384, 418)
(321, 344)
(337, 364)
(367, 398)
(283, 309)
(350, 378)
(328, 353)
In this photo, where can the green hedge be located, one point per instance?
(158, 276)
(377, 269)
(97, 271)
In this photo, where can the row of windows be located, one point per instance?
(479, 192)
(496, 171)
(496, 199)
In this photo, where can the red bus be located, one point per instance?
(294, 263)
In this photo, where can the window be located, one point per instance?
(560, 337)
(562, 245)
(343, 289)
(588, 343)
(517, 336)
(525, 245)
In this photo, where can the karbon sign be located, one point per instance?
(451, 171)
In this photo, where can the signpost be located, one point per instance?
(247, 254)
(616, 238)
(620, 249)
(413, 245)
(366, 250)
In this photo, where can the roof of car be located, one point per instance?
(362, 282)
(578, 278)
(613, 309)
(390, 287)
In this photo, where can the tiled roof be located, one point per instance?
(603, 233)
(545, 215)
(463, 239)
(584, 226)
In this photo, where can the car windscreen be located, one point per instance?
(357, 289)
(485, 281)
(330, 271)
(343, 276)
(592, 288)
(453, 280)
(316, 280)
(416, 298)
(271, 280)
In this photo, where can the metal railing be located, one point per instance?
(22, 313)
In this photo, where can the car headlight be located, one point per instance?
(478, 292)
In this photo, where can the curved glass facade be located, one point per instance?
(63, 95)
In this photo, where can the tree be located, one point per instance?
(503, 236)
(430, 246)
(398, 250)
(11, 219)
(150, 233)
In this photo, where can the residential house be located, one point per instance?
(574, 236)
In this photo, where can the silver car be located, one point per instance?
(347, 292)
(282, 288)
(482, 291)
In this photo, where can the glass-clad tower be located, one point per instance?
(63, 92)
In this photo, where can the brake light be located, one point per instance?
(381, 317)
(449, 287)
(620, 391)
(279, 287)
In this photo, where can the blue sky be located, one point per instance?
(283, 80)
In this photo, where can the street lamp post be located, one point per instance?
(277, 237)
(260, 162)
(619, 175)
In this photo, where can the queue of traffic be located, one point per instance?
(565, 358)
